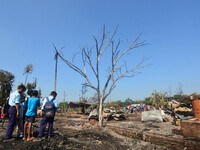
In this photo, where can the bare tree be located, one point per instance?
(56, 59)
(169, 93)
(56, 65)
(116, 70)
(83, 92)
(31, 86)
(179, 91)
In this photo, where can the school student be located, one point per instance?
(14, 102)
(20, 120)
(49, 108)
(33, 103)
(30, 94)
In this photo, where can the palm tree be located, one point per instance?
(28, 70)
(158, 98)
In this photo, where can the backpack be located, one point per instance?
(6, 108)
(49, 108)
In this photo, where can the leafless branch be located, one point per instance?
(108, 43)
(77, 69)
(88, 55)
(133, 45)
(74, 57)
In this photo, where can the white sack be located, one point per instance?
(152, 116)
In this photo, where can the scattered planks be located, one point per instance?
(158, 139)
(190, 128)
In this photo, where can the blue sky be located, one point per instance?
(28, 28)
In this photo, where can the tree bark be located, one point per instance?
(101, 112)
(26, 79)
(55, 73)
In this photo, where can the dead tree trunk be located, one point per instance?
(55, 80)
(116, 70)
(55, 75)
(101, 112)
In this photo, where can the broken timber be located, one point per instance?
(190, 128)
(155, 138)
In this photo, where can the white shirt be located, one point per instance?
(50, 99)
(15, 98)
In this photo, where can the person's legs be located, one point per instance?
(25, 125)
(42, 126)
(12, 121)
(22, 125)
(18, 122)
(29, 130)
(50, 129)
(29, 138)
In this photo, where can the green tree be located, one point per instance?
(6, 83)
(147, 101)
(128, 101)
(121, 103)
(31, 86)
(63, 105)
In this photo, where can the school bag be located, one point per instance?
(49, 108)
(6, 108)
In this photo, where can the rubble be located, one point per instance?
(77, 132)
(110, 114)
(190, 128)
(156, 133)
(174, 104)
(152, 116)
(67, 138)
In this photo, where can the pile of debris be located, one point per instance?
(178, 112)
(153, 116)
(110, 114)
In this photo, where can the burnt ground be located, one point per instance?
(71, 140)
(69, 134)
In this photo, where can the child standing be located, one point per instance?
(30, 94)
(33, 103)
(14, 102)
(20, 122)
(48, 116)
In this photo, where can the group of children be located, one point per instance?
(24, 110)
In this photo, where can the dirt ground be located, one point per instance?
(70, 134)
